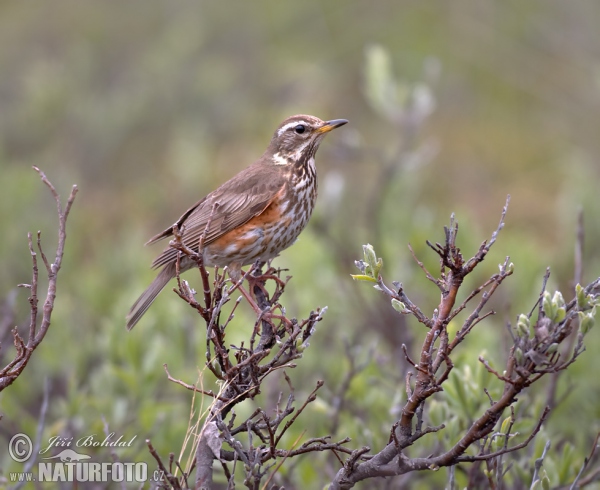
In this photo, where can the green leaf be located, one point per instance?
(362, 277)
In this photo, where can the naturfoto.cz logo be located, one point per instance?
(71, 466)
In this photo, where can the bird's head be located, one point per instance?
(298, 137)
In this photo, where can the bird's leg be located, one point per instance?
(250, 299)
(237, 276)
(257, 287)
(257, 281)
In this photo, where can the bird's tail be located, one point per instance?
(149, 295)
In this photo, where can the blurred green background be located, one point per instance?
(148, 106)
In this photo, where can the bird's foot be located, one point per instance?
(248, 296)
(257, 295)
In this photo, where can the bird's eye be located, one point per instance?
(300, 129)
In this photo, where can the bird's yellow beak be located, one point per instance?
(329, 125)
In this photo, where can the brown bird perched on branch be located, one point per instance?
(253, 216)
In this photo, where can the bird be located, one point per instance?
(253, 216)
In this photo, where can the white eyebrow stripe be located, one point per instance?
(291, 125)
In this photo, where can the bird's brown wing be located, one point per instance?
(240, 199)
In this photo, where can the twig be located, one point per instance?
(538, 464)
(295, 443)
(24, 351)
(435, 281)
(166, 474)
(577, 279)
(311, 398)
(191, 387)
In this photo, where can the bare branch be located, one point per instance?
(166, 474)
(435, 281)
(24, 351)
(538, 464)
(190, 387)
(505, 450)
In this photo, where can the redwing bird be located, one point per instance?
(254, 215)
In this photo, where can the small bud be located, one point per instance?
(580, 294)
(555, 305)
(523, 326)
(399, 306)
(586, 322)
(547, 306)
(522, 331)
(374, 264)
(545, 482)
(558, 299)
(505, 425)
(519, 356)
(369, 254)
(498, 442)
(511, 268)
(216, 367)
(552, 348)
